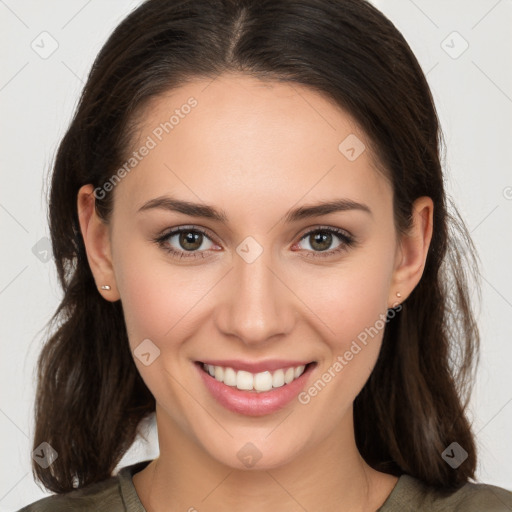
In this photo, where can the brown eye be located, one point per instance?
(190, 240)
(185, 242)
(321, 240)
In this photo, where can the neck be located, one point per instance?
(330, 476)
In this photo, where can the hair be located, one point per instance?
(90, 398)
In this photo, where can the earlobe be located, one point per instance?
(413, 249)
(95, 233)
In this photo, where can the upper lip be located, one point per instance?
(256, 366)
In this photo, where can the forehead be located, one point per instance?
(251, 142)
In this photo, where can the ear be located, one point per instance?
(95, 233)
(412, 251)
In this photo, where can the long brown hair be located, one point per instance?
(90, 397)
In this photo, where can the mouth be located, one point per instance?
(272, 378)
(255, 394)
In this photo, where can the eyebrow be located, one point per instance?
(209, 212)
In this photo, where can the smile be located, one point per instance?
(259, 382)
(269, 387)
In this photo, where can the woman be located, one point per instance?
(251, 230)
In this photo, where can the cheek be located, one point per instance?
(146, 292)
(159, 299)
(352, 305)
(158, 304)
(347, 299)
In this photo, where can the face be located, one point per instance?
(256, 283)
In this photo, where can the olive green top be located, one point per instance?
(118, 494)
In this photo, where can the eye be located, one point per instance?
(320, 239)
(185, 242)
(189, 242)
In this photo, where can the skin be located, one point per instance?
(254, 149)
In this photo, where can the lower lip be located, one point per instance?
(252, 403)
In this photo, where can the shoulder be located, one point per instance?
(477, 497)
(411, 494)
(116, 494)
(100, 496)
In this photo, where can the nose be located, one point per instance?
(257, 304)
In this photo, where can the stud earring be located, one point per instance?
(398, 294)
(105, 287)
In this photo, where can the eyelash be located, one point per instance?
(348, 241)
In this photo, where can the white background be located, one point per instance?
(473, 95)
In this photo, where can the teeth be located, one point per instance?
(263, 381)
(278, 379)
(229, 377)
(219, 373)
(246, 381)
(298, 371)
